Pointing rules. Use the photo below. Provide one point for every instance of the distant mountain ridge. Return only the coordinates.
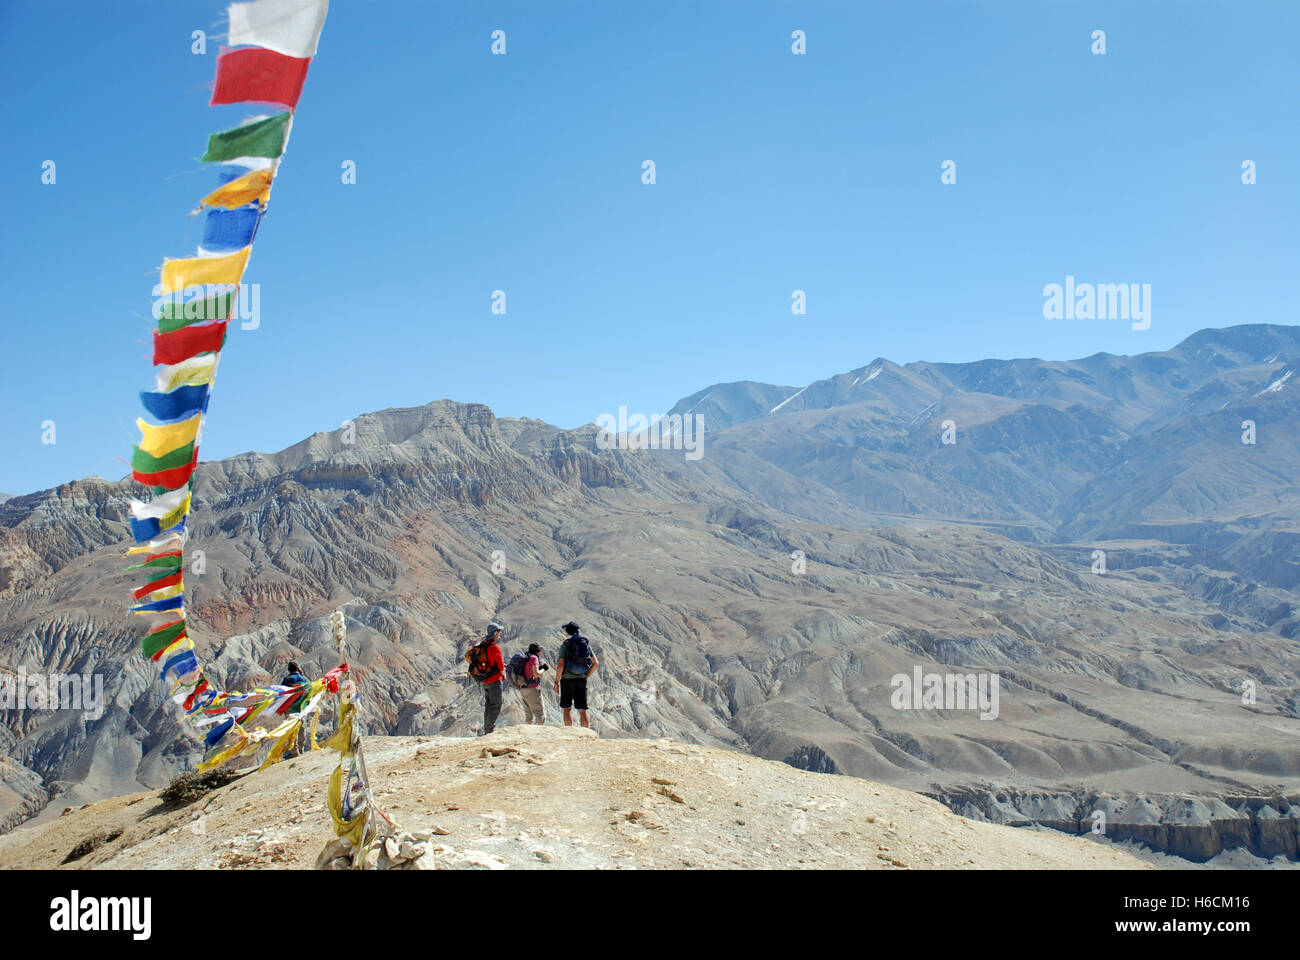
(1145, 383)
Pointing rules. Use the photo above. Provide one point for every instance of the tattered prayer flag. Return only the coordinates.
(195, 271)
(171, 603)
(182, 344)
(172, 649)
(148, 463)
(159, 507)
(179, 404)
(259, 76)
(160, 440)
(202, 685)
(161, 561)
(230, 229)
(291, 27)
(252, 187)
(260, 138)
(162, 637)
(166, 480)
(217, 732)
(181, 663)
(176, 312)
(161, 574)
(179, 514)
(194, 372)
(151, 529)
(154, 587)
(172, 538)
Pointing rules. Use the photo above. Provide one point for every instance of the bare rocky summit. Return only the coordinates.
(554, 798)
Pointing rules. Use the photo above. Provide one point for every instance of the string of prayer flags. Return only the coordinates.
(195, 301)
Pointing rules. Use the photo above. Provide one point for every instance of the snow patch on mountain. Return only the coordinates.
(1277, 385)
(784, 402)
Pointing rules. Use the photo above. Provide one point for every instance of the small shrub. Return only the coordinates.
(91, 844)
(190, 786)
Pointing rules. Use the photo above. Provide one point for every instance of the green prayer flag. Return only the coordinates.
(172, 316)
(171, 564)
(160, 639)
(263, 138)
(148, 463)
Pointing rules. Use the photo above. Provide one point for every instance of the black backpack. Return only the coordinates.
(577, 656)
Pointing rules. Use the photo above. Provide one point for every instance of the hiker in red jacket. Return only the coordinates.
(488, 667)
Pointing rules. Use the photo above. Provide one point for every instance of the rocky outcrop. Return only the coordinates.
(1194, 828)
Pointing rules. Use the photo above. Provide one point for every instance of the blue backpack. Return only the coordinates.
(577, 659)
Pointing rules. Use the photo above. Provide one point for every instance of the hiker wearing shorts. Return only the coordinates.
(577, 662)
(525, 673)
(487, 666)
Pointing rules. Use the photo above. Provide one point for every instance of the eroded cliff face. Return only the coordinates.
(1194, 828)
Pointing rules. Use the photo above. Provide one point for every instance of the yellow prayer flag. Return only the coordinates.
(254, 186)
(176, 646)
(166, 593)
(242, 742)
(196, 271)
(175, 517)
(160, 440)
(282, 744)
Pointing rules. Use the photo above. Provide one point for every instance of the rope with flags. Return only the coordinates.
(271, 46)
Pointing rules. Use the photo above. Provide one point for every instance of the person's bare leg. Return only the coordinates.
(568, 717)
(582, 716)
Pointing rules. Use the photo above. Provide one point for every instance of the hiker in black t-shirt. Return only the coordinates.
(577, 662)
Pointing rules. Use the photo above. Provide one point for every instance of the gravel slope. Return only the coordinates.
(558, 797)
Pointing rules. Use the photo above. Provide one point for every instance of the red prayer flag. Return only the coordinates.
(188, 705)
(171, 581)
(172, 479)
(259, 76)
(187, 342)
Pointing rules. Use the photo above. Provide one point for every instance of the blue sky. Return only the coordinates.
(522, 173)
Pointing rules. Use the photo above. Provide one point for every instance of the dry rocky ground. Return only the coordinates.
(554, 797)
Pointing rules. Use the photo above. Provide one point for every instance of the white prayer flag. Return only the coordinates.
(291, 27)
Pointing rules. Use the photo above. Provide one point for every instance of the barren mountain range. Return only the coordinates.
(765, 596)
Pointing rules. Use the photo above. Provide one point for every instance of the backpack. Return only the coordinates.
(480, 667)
(577, 658)
(516, 670)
